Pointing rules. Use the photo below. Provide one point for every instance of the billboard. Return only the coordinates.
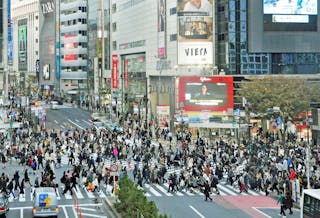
(162, 19)
(195, 32)
(290, 7)
(46, 72)
(206, 93)
(289, 15)
(10, 45)
(22, 44)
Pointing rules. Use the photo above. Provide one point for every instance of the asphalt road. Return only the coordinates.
(182, 204)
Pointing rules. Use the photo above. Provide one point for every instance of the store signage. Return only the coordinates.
(115, 76)
(47, 7)
(126, 74)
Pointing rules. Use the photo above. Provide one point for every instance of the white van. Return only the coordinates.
(45, 202)
(54, 105)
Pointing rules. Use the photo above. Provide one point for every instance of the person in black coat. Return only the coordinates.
(207, 191)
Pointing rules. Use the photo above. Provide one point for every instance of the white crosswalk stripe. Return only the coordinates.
(156, 190)
(79, 193)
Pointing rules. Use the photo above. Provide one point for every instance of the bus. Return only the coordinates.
(310, 203)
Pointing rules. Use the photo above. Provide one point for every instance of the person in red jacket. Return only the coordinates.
(292, 174)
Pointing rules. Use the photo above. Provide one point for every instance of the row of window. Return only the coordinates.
(77, 68)
(74, 57)
(74, 22)
(75, 45)
(75, 33)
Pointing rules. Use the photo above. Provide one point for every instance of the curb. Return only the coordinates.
(112, 211)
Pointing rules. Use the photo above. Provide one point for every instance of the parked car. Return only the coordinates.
(3, 205)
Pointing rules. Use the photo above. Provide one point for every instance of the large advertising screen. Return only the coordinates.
(195, 32)
(290, 15)
(290, 7)
(10, 45)
(212, 93)
(22, 44)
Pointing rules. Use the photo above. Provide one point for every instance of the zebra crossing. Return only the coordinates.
(78, 192)
(156, 190)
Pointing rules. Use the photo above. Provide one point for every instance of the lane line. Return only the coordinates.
(65, 211)
(262, 212)
(197, 212)
(21, 213)
(77, 192)
(92, 215)
(75, 124)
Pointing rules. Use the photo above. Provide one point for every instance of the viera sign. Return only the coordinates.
(47, 7)
(195, 53)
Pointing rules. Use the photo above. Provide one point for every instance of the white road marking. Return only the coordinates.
(196, 211)
(78, 192)
(262, 212)
(62, 126)
(147, 194)
(226, 190)
(77, 120)
(152, 190)
(56, 121)
(177, 192)
(90, 194)
(92, 215)
(90, 123)
(75, 124)
(163, 190)
(64, 211)
(88, 209)
(21, 213)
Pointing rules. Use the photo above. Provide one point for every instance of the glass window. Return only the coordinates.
(173, 11)
(173, 37)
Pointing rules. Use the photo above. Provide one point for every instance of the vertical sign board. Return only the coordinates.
(115, 79)
(162, 28)
(22, 44)
(126, 74)
(195, 33)
(10, 45)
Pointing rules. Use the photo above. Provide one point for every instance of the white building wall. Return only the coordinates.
(139, 22)
(26, 9)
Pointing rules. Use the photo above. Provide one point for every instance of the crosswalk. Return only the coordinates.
(156, 190)
(78, 192)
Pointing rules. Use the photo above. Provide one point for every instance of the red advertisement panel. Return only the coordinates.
(115, 76)
(210, 93)
(126, 75)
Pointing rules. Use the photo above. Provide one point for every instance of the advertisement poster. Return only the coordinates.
(10, 45)
(115, 76)
(195, 32)
(22, 39)
(162, 28)
(290, 7)
(46, 72)
(163, 112)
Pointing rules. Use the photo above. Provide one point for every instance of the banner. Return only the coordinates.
(115, 76)
(162, 28)
(195, 32)
(126, 74)
(22, 44)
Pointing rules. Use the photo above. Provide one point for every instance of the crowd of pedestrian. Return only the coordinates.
(185, 163)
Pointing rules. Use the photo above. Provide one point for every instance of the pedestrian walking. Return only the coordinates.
(282, 205)
(207, 191)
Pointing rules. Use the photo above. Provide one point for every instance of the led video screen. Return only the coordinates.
(290, 15)
(206, 93)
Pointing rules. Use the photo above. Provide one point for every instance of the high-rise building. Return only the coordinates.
(73, 48)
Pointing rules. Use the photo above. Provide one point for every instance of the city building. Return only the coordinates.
(4, 47)
(73, 49)
(25, 44)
